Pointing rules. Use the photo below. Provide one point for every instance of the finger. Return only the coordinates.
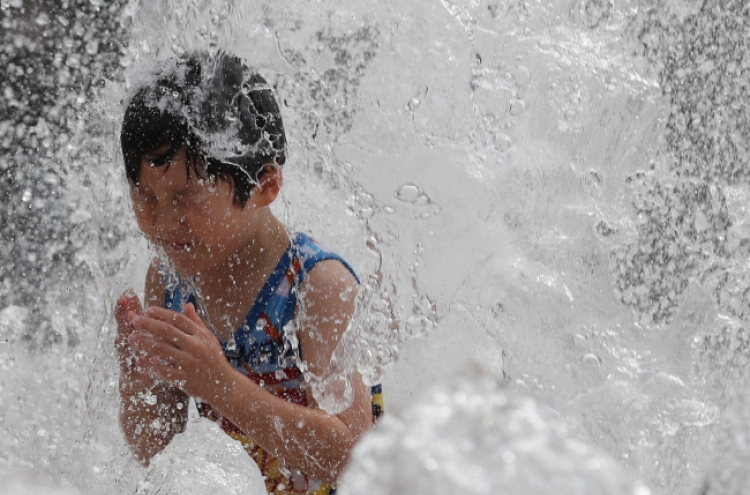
(127, 302)
(193, 316)
(158, 330)
(161, 351)
(178, 320)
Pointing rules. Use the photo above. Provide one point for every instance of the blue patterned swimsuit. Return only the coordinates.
(260, 350)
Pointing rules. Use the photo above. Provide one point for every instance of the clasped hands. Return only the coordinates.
(172, 347)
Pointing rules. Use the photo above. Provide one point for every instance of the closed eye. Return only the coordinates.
(189, 199)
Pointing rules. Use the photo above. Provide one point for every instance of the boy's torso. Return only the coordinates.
(262, 349)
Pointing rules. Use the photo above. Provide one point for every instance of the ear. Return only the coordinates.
(268, 186)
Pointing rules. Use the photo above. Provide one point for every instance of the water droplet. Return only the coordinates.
(409, 193)
(522, 76)
(92, 47)
(517, 107)
(417, 325)
(231, 343)
(366, 212)
(591, 359)
(546, 44)
(594, 178)
(604, 229)
(502, 142)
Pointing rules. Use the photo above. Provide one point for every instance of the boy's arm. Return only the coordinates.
(151, 412)
(308, 439)
(313, 441)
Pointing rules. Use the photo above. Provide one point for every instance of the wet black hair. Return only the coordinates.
(223, 113)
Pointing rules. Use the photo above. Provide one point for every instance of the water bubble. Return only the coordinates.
(502, 142)
(413, 104)
(92, 47)
(417, 325)
(517, 107)
(546, 44)
(522, 76)
(591, 359)
(603, 229)
(592, 181)
(416, 100)
(409, 193)
(73, 61)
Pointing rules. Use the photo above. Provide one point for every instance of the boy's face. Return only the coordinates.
(193, 220)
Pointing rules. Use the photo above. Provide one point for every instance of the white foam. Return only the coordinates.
(203, 460)
(474, 434)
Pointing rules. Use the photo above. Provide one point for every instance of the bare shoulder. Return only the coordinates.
(329, 291)
(330, 277)
(155, 292)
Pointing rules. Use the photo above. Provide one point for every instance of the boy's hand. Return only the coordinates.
(178, 348)
(128, 306)
(128, 303)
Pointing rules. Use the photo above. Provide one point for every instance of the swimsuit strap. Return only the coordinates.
(277, 301)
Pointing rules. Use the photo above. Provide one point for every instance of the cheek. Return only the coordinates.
(144, 223)
(140, 215)
(208, 213)
(145, 216)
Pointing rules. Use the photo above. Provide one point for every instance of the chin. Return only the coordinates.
(186, 267)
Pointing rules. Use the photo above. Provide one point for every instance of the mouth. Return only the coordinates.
(177, 247)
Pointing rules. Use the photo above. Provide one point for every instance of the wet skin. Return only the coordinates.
(173, 355)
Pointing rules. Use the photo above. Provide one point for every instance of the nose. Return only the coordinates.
(161, 218)
(168, 218)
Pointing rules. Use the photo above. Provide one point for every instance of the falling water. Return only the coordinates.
(555, 192)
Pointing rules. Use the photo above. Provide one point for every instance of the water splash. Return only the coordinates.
(474, 435)
(552, 188)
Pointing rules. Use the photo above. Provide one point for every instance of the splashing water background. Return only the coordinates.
(557, 190)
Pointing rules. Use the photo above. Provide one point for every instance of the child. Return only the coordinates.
(203, 146)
